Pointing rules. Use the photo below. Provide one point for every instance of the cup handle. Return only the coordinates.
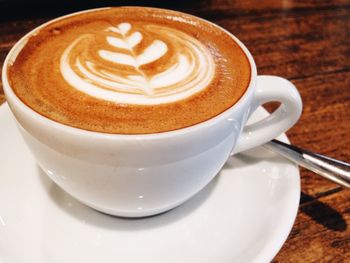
(271, 88)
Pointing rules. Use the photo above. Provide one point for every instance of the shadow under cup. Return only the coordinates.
(136, 175)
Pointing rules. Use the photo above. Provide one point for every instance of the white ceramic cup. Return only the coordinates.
(142, 175)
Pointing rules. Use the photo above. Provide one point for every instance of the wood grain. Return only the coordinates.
(11, 31)
(307, 42)
(296, 47)
(325, 123)
(320, 233)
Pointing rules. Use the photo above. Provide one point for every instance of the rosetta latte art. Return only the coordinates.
(145, 64)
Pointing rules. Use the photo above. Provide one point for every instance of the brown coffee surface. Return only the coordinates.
(130, 70)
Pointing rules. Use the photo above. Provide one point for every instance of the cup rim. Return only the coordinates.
(10, 94)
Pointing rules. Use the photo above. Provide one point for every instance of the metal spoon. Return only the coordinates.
(329, 168)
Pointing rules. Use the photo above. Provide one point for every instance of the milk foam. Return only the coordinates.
(182, 66)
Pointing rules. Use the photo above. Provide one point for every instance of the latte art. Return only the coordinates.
(130, 70)
(138, 64)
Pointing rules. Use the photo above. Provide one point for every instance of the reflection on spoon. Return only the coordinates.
(329, 168)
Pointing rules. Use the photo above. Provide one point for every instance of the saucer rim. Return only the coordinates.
(275, 242)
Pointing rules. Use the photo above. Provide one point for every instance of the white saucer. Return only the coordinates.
(244, 215)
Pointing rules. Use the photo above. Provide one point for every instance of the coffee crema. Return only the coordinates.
(130, 70)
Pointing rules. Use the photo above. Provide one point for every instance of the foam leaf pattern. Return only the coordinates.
(147, 65)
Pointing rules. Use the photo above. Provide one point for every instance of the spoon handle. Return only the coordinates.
(329, 168)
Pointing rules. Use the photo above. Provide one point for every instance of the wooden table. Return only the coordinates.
(307, 42)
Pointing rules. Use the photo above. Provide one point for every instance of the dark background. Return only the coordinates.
(26, 9)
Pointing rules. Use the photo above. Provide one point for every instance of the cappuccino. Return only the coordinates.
(130, 70)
